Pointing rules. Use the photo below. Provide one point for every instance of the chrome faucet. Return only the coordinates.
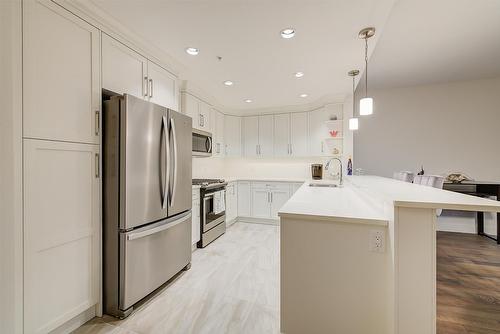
(327, 167)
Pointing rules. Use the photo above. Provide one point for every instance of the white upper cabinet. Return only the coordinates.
(198, 110)
(217, 120)
(299, 136)
(162, 87)
(251, 136)
(124, 71)
(61, 75)
(282, 135)
(204, 120)
(258, 136)
(190, 106)
(232, 136)
(266, 127)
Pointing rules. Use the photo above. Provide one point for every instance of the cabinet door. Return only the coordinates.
(298, 134)
(232, 136)
(244, 199)
(231, 202)
(217, 133)
(61, 232)
(317, 132)
(278, 198)
(162, 87)
(195, 232)
(261, 199)
(266, 126)
(61, 75)
(251, 136)
(123, 70)
(190, 106)
(282, 135)
(204, 117)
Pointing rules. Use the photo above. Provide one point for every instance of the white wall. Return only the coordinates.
(447, 127)
(11, 260)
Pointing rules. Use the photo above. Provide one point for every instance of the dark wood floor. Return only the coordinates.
(468, 284)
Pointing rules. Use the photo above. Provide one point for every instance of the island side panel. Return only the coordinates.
(330, 280)
(415, 270)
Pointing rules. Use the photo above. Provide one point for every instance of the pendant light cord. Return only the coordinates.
(353, 99)
(366, 67)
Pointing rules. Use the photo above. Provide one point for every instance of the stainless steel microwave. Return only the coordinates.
(202, 143)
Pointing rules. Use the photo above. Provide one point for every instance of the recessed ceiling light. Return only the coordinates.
(299, 74)
(303, 95)
(248, 101)
(192, 51)
(228, 83)
(287, 33)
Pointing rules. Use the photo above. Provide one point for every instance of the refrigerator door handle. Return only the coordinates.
(158, 228)
(174, 144)
(166, 160)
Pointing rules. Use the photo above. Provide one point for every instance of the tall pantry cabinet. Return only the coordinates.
(61, 136)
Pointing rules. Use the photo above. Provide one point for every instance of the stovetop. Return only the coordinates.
(207, 182)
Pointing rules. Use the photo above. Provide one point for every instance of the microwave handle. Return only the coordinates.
(208, 144)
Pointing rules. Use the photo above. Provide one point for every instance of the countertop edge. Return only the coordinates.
(338, 219)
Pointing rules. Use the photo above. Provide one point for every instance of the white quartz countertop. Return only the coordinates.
(363, 198)
(263, 179)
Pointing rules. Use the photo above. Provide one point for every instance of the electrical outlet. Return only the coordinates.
(377, 241)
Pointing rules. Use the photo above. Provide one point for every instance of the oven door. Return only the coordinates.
(202, 143)
(214, 212)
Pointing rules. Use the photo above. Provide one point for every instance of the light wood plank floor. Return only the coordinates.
(233, 287)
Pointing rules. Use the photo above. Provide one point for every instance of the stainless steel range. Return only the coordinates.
(212, 209)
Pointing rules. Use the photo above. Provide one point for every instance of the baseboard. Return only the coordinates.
(76, 322)
(253, 220)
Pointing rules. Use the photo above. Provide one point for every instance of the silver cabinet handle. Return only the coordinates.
(146, 87)
(97, 165)
(225, 149)
(271, 197)
(158, 228)
(322, 147)
(174, 144)
(97, 123)
(151, 88)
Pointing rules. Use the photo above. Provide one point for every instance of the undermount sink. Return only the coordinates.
(324, 185)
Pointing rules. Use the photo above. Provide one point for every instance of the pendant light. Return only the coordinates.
(353, 121)
(366, 103)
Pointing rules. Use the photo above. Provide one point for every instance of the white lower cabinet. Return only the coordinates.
(195, 227)
(278, 198)
(244, 199)
(260, 203)
(231, 202)
(268, 198)
(61, 232)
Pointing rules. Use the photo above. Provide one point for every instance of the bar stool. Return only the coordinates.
(404, 176)
(435, 181)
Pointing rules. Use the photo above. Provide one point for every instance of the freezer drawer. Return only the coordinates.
(150, 256)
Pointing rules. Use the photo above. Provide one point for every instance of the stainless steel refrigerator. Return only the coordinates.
(147, 199)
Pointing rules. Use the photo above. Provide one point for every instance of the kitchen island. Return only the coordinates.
(361, 258)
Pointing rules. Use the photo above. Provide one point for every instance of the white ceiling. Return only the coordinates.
(437, 41)
(246, 35)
